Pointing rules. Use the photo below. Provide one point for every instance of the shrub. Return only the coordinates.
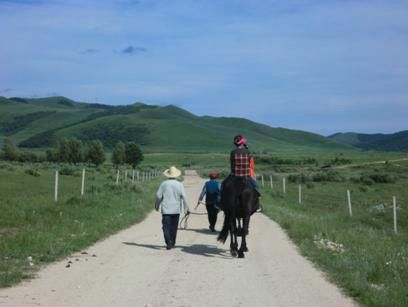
(299, 178)
(328, 176)
(309, 185)
(26, 156)
(32, 172)
(67, 171)
(310, 161)
(275, 160)
(340, 161)
(370, 179)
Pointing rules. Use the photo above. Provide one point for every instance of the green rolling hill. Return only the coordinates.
(38, 123)
(381, 142)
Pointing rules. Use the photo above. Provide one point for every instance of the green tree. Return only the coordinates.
(133, 154)
(119, 154)
(75, 151)
(9, 150)
(95, 153)
(69, 150)
(51, 155)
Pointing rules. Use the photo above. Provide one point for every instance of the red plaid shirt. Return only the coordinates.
(240, 162)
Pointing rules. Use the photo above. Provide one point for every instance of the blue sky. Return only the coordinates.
(324, 66)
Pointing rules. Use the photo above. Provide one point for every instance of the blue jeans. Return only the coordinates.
(254, 184)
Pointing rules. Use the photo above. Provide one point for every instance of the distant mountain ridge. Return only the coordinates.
(382, 142)
(39, 123)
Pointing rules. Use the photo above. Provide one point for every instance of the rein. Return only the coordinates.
(184, 222)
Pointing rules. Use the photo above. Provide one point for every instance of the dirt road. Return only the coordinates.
(132, 268)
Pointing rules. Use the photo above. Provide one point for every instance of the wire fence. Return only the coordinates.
(345, 198)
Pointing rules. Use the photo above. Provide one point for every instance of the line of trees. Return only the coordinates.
(71, 150)
(128, 153)
(74, 151)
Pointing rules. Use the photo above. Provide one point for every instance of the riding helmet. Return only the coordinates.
(239, 139)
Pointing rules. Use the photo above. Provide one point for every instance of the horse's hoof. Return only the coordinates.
(241, 255)
(246, 249)
(233, 253)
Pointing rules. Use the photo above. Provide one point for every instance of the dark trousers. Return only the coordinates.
(212, 214)
(170, 225)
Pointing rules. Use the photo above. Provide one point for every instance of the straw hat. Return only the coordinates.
(172, 172)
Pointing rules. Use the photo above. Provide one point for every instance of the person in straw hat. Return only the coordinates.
(170, 198)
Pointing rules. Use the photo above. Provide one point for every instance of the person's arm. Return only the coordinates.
(159, 198)
(252, 166)
(219, 193)
(202, 194)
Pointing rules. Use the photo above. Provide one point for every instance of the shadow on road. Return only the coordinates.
(202, 231)
(195, 249)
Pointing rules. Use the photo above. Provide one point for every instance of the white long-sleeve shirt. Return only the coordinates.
(171, 197)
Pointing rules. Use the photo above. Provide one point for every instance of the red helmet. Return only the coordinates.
(239, 139)
(213, 175)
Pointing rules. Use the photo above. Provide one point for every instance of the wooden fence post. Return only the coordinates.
(271, 179)
(83, 183)
(394, 207)
(117, 177)
(349, 202)
(56, 186)
(284, 184)
(300, 194)
(263, 184)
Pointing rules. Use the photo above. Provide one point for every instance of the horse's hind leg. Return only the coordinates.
(245, 230)
(233, 244)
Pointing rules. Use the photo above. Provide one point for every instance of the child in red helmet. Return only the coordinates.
(211, 191)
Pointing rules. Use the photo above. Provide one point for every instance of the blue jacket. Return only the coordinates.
(211, 191)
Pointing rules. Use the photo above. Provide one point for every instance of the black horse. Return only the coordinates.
(239, 200)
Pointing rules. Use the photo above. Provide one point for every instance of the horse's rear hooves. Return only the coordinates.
(234, 253)
(241, 255)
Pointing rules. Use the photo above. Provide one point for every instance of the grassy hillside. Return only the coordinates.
(23, 118)
(37, 123)
(384, 142)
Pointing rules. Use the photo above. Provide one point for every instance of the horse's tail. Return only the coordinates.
(223, 235)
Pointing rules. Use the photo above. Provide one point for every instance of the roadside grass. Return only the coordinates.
(33, 225)
(360, 253)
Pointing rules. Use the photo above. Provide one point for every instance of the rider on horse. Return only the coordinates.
(239, 198)
(242, 164)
